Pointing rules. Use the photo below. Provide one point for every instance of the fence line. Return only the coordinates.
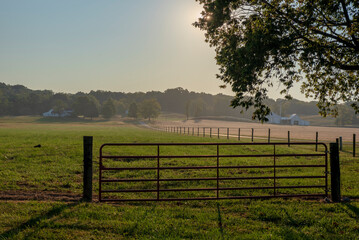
(240, 133)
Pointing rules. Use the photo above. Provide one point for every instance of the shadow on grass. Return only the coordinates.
(55, 211)
(354, 210)
(220, 224)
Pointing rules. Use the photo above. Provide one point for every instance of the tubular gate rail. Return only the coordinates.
(273, 190)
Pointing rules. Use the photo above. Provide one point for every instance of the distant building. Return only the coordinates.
(294, 119)
(51, 113)
(273, 118)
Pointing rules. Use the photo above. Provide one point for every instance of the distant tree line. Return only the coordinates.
(18, 100)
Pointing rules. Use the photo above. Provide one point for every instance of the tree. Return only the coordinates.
(260, 43)
(59, 106)
(120, 107)
(87, 106)
(108, 109)
(150, 108)
(133, 110)
(345, 115)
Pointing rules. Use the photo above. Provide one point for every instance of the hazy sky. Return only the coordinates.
(122, 45)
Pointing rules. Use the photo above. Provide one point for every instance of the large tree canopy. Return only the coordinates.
(264, 43)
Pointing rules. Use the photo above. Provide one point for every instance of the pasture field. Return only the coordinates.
(40, 193)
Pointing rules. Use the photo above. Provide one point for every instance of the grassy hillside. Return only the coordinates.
(51, 178)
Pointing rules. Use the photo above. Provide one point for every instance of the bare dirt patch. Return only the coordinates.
(20, 195)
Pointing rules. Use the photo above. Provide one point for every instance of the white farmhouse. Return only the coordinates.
(51, 113)
(273, 118)
(294, 119)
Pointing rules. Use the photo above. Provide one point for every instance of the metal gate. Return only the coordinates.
(210, 171)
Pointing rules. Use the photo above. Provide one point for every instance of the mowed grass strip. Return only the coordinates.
(56, 167)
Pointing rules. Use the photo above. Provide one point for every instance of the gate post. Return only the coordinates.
(335, 172)
(87, 178)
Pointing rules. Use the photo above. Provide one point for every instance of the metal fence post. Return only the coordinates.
(227, 133)
(288, 138)
(204, 132)
(340, 143)
(354, 141)
(87, 178)
(239, 134)
(252, 134)
(335, 172)
(268, 135)
(210, 132)
(316, 141)
(218, 133)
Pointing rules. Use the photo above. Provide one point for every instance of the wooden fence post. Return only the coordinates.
(87, 178)
(268, 135)
(335, 172)
(354, 141)
(252, 134)
(316, 141)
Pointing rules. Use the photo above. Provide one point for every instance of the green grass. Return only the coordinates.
(56, 167)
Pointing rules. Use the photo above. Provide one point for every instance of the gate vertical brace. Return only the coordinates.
(158, 172)
(217, 171)
(274, 172)
(335, 172)
(87, 178)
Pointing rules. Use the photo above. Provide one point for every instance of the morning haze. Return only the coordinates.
(128, 46)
